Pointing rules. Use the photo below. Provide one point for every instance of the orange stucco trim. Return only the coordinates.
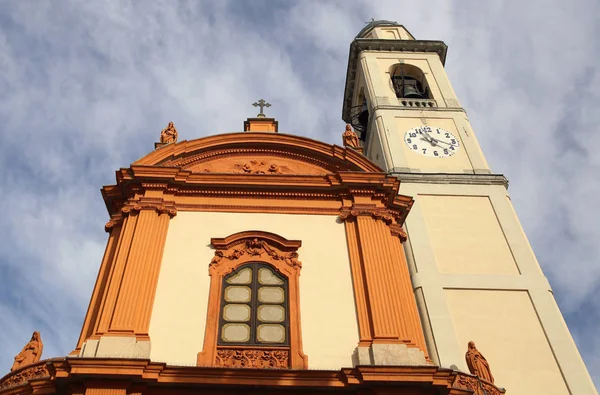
(78, 376)
(239, 249)
(378, 266)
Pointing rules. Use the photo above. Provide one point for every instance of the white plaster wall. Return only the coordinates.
(328, 313)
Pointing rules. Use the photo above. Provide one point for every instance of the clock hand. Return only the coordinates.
(441, 141)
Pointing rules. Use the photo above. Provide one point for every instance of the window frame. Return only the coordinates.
(231, 253)
(254, 304)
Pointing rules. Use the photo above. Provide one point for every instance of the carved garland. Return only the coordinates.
(22, 376)
(248, 358)
(475, 384)
(256, 248)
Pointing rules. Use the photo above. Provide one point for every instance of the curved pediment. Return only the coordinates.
(258, 153)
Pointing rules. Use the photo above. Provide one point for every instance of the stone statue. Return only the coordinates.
(477, 364)
(31, 353)
(350, 138)
(168, 134)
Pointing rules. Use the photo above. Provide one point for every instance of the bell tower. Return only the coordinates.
(474, 274)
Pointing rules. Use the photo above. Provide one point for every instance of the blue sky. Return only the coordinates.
(86, 87)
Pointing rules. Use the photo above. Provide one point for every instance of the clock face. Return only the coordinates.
(432, 142)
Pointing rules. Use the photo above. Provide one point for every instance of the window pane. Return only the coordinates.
(271, 313)
(268, 333)
(267, 277)
(270, 295)
(236, 333)
(244, 276)
(236, 312)
(237, 294)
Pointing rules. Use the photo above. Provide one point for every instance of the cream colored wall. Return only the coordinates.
(328, 314)
(391, 33)
(466, 236)
(506, 330)
(505, 304)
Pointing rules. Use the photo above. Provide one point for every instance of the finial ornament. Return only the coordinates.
(262, 104)
(31, 353)
(169, 134)
(350, 138)
(477, 363)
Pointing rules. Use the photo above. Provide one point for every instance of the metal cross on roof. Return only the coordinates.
(262, 104)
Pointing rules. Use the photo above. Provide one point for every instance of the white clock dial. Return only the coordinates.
(432, 142)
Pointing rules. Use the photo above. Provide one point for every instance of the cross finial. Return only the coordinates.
(262, 104)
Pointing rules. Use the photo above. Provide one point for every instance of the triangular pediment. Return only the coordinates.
(258, 153)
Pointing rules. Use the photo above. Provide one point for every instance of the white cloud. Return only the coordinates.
(87, 87)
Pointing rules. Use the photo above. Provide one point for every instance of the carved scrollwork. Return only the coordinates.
(397, 231)
(384, 214)
(159, 207)
(475, 384)
(256, 247)
(252, 358)
(24, 375)
(112, 223)
(389, 217)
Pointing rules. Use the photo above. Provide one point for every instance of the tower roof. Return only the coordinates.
(371, 25)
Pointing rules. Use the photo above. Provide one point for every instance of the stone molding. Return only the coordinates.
(107, 376)
(451, 178)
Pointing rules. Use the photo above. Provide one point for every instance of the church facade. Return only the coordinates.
(265, 262)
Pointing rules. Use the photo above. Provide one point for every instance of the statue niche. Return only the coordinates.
(31, 353)
(477, 364)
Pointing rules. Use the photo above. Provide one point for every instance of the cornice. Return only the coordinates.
(369, 44)
(183, 153)
(67, 372)
(177, 183)
(451, 178)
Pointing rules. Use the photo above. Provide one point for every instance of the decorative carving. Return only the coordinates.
(169, 134)
(350, 138)
(256, 247)
(31, 353)
(397, 231)
(477, 363)
(158, 206)
(257, 167)
(24, 375)
(475, 384)
(112, 223)
(252, 358)
(384, 214)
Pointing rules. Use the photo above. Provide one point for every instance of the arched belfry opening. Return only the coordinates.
(409, 82)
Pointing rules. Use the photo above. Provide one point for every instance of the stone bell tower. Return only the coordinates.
(474, 274)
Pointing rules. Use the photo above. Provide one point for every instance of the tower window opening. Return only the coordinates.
(409, 82)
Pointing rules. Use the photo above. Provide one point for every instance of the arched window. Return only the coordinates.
(253, 318)
(409, 82)
(254, 307)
